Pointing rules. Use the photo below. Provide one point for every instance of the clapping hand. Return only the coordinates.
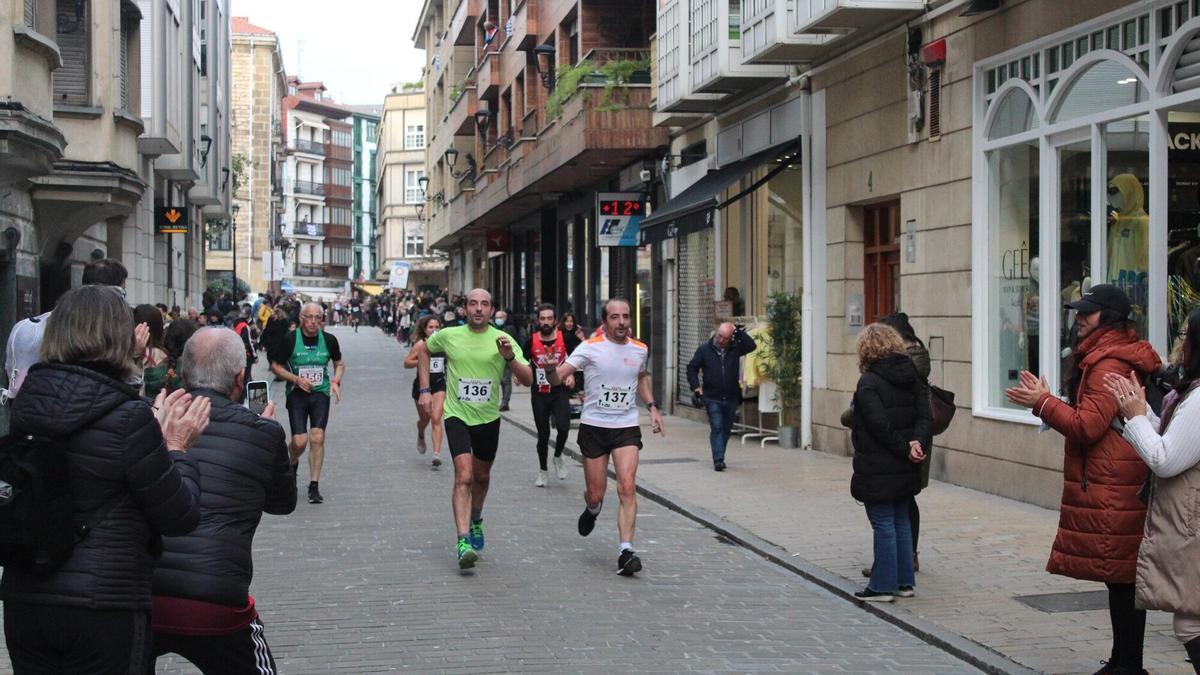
(184, 422)
(1031, 390)
(141, 338)
(1129, 392)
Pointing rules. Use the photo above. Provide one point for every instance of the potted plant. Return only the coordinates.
(783, 366)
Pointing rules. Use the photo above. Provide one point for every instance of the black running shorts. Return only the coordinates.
(481, 440)
(596, 442)
(307, 410)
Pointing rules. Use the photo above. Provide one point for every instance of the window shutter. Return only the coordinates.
(125, 25)
(71, 80)
(31, 14)
(935, 103)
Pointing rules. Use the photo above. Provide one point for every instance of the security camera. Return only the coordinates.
(646, 175)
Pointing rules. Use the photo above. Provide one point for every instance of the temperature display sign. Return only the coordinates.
(618, 218)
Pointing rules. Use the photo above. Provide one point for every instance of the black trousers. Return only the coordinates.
(554, 404)
(245, 651)
(1128, 626)
(44, 639)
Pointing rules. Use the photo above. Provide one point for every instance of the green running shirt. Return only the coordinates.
(473, 371)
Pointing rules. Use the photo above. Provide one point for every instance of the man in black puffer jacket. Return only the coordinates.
(202, 605)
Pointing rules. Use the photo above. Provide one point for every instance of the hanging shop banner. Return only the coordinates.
(171, 220)
(398, 278)
(619, 218)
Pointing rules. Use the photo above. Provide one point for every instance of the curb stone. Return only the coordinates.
(980, 656)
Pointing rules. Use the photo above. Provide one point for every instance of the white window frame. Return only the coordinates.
(413, 238)
(412, 188)
(414, 137)
(1163, 56)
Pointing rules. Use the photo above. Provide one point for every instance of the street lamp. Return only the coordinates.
(452, 156)
(233, 244)
(483, 120)
(543, 61)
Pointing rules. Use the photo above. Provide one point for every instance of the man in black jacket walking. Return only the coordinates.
(721, 391)
(203, 610)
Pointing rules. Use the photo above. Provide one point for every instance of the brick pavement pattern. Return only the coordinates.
(367, 581)
(978, 551)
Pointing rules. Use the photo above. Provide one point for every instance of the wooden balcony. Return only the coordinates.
(338, 192)
(590, 141)
(336, 233)
(487, 75)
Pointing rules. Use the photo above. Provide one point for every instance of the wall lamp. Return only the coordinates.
(452, 157)
(207, 141)
(483, 120)
(543, 62)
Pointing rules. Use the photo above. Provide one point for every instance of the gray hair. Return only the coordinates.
(212, 359)
(90, 324)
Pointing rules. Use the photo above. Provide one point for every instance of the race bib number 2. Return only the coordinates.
(542, 380)
(474, 391)
(615, 398)
(314, 374)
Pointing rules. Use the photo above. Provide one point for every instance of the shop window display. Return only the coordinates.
(1183, 220)
(1127, 252)
(1074, 238)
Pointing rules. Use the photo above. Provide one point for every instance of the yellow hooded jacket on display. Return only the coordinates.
(1128, 237)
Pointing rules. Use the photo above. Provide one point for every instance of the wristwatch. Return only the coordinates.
(652, 404)
(510, 359)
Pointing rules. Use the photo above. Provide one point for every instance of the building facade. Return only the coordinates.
(249, 241)
(366, 217)
(318, 191)
(401, 192)
(108, 106)
(535, 109)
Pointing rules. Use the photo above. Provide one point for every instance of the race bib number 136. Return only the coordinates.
(474, 391)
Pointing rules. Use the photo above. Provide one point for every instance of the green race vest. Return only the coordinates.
(310, 363)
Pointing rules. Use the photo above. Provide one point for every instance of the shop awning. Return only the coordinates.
(369, 289)
(692, 210)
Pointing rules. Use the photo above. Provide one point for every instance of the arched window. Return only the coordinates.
(1106, 85)
(1015, 113)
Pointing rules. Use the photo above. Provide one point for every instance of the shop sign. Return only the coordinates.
(619, 218)
(171, 220)
(1183, 140)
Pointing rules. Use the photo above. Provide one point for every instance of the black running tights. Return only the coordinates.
(557, 405)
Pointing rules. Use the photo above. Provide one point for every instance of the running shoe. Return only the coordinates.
(560, 468)
(437, 461)
(421, 444)
(905, 592)
(477, 534)
(587, 522)
(628, 564)
(467, 557)
(541, 479)
(314, 495)
(874, 596)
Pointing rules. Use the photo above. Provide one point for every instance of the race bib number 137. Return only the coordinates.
(615, 398)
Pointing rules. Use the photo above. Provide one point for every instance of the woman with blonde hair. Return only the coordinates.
(891, 432)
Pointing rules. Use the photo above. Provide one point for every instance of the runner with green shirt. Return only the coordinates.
(302, 360)
(475, 358)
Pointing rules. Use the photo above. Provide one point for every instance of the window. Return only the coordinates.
(342, 257)
(218, 233)
(881, 266)
(414, 243)
(412, 186)
(342, 176)
(414, 137)
(129, 28)
(72, 79)
(339, 215)
(31, 14)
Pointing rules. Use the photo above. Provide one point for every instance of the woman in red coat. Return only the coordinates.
(1101, 520)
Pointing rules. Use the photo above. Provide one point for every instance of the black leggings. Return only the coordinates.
(1193, 651)
(544, 405)
(1128, 627)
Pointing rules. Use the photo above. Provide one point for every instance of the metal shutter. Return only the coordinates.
(124, 47)
(696, 312)
(71, 79)
(31, 14)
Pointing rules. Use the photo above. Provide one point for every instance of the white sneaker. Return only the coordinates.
(561, 468)
(541, 479)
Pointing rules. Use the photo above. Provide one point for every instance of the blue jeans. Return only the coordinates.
(893, 546)
(721, 415)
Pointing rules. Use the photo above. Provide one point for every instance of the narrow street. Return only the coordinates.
(367, 581)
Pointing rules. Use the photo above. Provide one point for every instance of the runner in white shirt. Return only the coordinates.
(614, 368)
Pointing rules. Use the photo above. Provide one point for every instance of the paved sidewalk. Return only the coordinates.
(978, 551)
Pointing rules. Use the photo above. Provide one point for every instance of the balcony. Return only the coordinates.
(310, 147)
(768, 34)
(339, 192)
(522, 26)
(334, 233)
(587, 142)
(844, 16)
(716, 51)
(674, 66)
(460, 121)
(305, 187)
(314, 230)
(487, 75)
(462, 24)
(308, 270)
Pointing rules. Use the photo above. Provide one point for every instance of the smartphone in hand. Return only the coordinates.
(257, 396)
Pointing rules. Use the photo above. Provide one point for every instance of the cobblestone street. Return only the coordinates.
(367, 581)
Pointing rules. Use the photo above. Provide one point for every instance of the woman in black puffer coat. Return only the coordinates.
(891, 432)
(91, 614)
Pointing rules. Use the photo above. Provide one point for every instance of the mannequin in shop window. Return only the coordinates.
(1128, 241)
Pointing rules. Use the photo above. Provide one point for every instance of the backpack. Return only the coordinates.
(1158, 384)
(37, 527)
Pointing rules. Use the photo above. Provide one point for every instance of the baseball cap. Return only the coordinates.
(1101, 297)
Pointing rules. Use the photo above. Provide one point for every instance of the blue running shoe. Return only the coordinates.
(477, 534)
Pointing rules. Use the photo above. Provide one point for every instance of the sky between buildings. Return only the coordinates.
(358, 48)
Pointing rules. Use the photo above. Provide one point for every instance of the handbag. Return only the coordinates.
(941, 404)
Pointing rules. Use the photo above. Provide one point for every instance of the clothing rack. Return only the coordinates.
(767, 404)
